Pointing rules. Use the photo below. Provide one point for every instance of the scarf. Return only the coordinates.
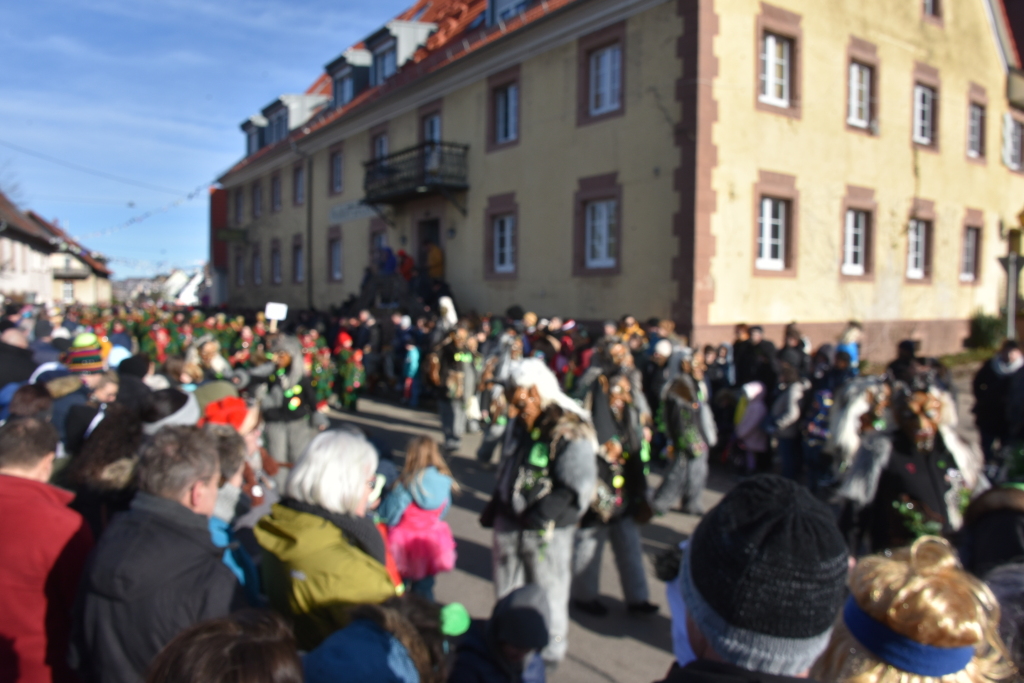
(359, 531)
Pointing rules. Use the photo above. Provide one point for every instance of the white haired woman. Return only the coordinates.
(546, 481)
(323, 555)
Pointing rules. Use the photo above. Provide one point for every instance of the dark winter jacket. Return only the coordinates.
(477, 662)
(154, 573)
(16, 364)
(704, 671)
(993, 532)
(992, 386)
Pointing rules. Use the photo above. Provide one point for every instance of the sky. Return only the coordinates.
(151, 93)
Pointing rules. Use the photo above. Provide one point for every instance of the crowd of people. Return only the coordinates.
(180, 509)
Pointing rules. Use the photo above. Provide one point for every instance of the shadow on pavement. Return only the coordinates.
(655, 630)
(473, 558)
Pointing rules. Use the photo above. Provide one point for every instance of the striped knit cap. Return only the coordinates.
(85, 354)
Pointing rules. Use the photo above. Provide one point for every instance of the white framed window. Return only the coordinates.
(239, 206)
(334, 258)
(859, 113)
(969, 262)
(924, 115)
(917, 249)
(855, 239)
(344, 90)
(275, 193)
(601, 235)
(605, 79)
(239, 269)
(771, 234)
(336, 170)
(257, 268)
(298, 263)
(299, 184)
(275, 265)
(506, 113)
(776, 53)
(1013, 143)
(432, 128)
(504, 244)
(67, 292)
(976, 131)
(385, 63)
(380, 146)
(257, 200)
(252, 140)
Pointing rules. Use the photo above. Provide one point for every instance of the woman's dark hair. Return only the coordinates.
(32, 400)
(247, 647)
(116, 439)
(163, 403)
(426, 645)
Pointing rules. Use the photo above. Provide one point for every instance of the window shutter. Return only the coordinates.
(1008, 141)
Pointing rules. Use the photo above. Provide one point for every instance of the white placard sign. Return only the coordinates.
(276, 311)
(349, 211)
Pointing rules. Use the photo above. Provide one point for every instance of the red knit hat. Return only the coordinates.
(231, 411)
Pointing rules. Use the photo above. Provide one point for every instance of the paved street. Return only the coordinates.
(618, 647)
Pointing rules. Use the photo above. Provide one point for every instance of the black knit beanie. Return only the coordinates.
(764, 576)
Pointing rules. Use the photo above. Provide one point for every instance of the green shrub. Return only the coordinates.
(986, 331)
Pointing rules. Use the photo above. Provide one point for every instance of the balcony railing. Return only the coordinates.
(428, 168)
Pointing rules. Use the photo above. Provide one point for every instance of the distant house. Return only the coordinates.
(79, 275)
(25, 251)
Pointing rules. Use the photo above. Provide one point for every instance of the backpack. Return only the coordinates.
(422, 543)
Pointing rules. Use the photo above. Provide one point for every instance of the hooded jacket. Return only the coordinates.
(430, 490)
(16, 364)
(315, 572)
(43, 548)
(154, 573)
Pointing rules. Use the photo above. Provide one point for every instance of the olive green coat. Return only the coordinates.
(311, 571)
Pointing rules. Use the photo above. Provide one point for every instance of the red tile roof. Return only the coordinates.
(452, 41)
(82, 253)
(17, 221)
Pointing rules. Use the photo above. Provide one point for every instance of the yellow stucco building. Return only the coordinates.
(710, 161)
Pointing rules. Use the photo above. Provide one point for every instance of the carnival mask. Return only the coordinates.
(918, 418)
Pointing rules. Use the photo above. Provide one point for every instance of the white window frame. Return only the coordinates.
(773, 216)
(859, 109)
(601, 234)
(1013, 142)
(917, 249)
(855, 242)
(606, 79)
(506, 113)
(931, 8)
(67, 292)
(276, 276)
(257, 268)
(976, 130)
(385, 62)
(380, 146)
(776, 70)
(275, 193)
(504, 228)
(969, 259)
(924, 114)
(337, 170)
(344, 90)
(336, 260)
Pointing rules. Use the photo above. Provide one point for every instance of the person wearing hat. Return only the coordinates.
(43, 350)
(84, 360)
(503, 649)
(762, 580)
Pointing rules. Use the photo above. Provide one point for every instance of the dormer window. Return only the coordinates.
(506, 9)
(344, 90)
(385, 63)
(252, 139)
(278, 128)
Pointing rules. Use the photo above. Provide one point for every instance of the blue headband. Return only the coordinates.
(900, 651)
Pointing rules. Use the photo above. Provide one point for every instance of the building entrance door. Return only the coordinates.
(429, 238)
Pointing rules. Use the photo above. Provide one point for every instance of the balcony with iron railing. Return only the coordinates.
(427, 168)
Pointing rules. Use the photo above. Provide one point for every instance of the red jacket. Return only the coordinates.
(43, 548)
